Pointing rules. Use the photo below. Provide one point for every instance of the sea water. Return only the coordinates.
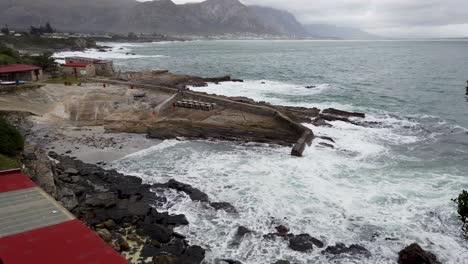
(382, 187)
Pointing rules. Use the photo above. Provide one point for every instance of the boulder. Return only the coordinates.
(304, 242)
(336, 112)
(105, 199)
(242, 231)
(68, 199)
(71, 171)
(40, 169)
(230, 261)
(224, 206)
(105, 235)
(164, 260)
(158, 232)
(414, 254)
(321, 122)
(341, 248)
(284, 230)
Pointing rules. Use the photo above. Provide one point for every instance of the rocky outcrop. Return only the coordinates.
(341, 248)
(196, 195)
(39, 168)
(119, 208)
(251, 132)
(414, 254)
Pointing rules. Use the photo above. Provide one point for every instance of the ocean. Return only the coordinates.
(382, 187)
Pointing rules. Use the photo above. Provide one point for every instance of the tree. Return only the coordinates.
(5, 30)
(132, 35)
(35, 31)
(48, 28)
(45, 61)
(11, 141)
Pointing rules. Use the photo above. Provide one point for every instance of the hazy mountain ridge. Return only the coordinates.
(208, 18)
(331, 31)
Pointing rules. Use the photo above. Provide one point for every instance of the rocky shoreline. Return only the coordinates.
(122, 209)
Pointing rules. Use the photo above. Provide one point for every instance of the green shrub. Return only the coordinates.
(11, 141)
(7, 163)
(462, 202)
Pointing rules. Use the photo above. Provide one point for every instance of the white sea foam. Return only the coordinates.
(117, 51)
(356, 193)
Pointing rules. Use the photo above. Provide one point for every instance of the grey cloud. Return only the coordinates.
(433, 18)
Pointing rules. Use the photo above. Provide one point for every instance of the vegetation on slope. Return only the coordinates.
(11, 144)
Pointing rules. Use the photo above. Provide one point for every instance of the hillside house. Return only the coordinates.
(78, 69)
(20, 72)
(101, 67)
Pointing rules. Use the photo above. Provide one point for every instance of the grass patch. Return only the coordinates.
(61, 80)
(7, 163)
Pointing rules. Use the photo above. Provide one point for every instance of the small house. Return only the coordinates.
(20, 72)
(102, 67)
(78, 69)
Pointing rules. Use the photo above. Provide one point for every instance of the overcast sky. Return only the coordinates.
(392, 18)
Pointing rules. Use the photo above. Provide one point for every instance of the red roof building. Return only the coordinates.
(76, 64)
(37, 229)
(20, 72)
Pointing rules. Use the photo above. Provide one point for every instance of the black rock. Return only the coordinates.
(242, 231)
(282, 229)
(304, 242)
(194, 193)
(224, 206)
(336, 112)
(414, 254)
(230, 261)
(105, 199)
(282, 262)
(326, 145)
(341, 248)
(327, 138)
(192, 255)
(158, 232)
(321, 122)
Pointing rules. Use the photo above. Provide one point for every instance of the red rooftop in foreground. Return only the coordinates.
(21, 72)
(34, 228)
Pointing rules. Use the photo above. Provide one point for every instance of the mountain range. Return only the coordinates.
(208, 18)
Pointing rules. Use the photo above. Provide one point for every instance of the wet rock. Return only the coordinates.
(40, 169)
(164, 260)
(282, 262)
(158, 232)
(229, 261)
(310, 86)
(224, 206)
(321, 122)
(123, 246)
(194, 193)
(68, 199)
(414, 254)
(106, 199)
(284, 230)
(237, 80)
(336, 112)
(71, 171)
(242, 231)
(109, 224)
(105, 235)
(327, 138)
(341, 248)
(192, 255)
(326, 145)
(304, 242)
